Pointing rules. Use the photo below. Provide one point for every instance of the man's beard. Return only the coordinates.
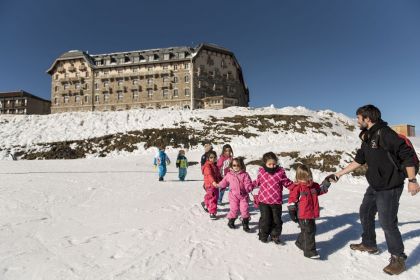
(363, 126)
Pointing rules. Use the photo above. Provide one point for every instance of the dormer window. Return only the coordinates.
(181, 55)
(151, 57)
(166, 56)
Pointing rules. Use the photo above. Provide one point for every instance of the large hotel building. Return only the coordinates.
(206, 76)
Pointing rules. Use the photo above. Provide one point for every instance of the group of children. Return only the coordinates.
(161, 160)
(230, 172)
(303, 204)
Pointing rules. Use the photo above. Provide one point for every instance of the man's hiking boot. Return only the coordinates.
(396, 265)
(231, 223)
(363, 248)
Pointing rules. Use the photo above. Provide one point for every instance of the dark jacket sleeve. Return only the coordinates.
(398, 147)
(360, 156)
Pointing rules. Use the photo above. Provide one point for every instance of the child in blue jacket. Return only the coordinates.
(161, 160)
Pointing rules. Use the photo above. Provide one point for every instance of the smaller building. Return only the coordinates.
(23, 103)
(405, 129)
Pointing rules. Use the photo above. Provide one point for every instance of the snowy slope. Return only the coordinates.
(110, 219)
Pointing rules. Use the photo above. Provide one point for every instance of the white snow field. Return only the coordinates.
(109, 218)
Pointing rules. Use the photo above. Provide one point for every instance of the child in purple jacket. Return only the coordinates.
(271, 180)
(240, 185)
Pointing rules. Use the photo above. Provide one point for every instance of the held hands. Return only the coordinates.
(215, 184)
(293, 212)
(325, 185)
(332, 178)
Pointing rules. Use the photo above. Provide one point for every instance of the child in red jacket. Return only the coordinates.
(304, 208)
(211, 179)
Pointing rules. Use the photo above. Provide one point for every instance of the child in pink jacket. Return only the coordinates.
(223, 164)
(240, 184)
(271, 180)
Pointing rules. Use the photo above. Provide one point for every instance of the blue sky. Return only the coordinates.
(321, 54)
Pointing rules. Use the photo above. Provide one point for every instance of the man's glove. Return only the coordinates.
(293, 212)
(331, 178)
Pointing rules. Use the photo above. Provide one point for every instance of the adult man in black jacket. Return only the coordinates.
(386, 182)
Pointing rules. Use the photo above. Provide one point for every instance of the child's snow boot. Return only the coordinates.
(231, 223)
(245, 224)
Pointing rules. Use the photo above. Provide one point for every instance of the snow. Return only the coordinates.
(109, 218)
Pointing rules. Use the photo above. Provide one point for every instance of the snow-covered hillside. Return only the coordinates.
(109, 218)
(295, 132)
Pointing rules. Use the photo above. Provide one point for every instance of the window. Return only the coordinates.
(165, 67)
(97, 98)
(150, 68)
(106, 84)
(120, 71)
(175, 66)
(77, 98)
(76, 74)
(106, 97)
(222, 64)
(214, 87)
(150, 93)
(175, 79)
(199, 84)
(181, 55)
(77, 85)
(176, 92)
(86, 99)
(149, 81)
(135, 94)
(56, 77)
(165, 79)
(120, 95)
(165, 93)
(136, 59)
(121, 60)
(166, 56)
(186, 66)
(135, 82)
(66, 99)
(56, 88)
(187, 92)
(96, 74)
(151, 57)
(56, 101)
(187, 79)
(65, 86)
(120, 83)
(96, 86)
(135, 69)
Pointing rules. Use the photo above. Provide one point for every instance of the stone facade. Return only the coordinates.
(206, 76)
(23, 103)
(405, 129)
